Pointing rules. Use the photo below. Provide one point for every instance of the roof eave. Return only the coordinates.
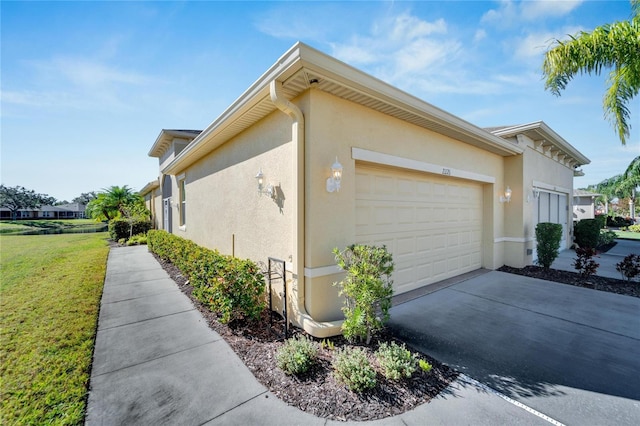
(302, 57)
(547, 133)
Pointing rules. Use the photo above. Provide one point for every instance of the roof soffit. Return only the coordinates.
(546, 141)
(301, 64)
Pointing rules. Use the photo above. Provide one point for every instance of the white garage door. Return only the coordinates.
(431, 224)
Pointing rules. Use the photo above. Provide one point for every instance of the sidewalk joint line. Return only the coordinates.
(239, 405)
(142, 296)
(145, 320)
(155, 359)
(510, 400)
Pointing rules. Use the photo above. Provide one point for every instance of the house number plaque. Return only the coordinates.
(446, 172)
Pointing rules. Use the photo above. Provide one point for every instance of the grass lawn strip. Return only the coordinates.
(50, 291)
(628, 235)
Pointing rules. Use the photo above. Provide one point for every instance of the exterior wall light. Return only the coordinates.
(507, 196)
(268, 190)
(333, 182)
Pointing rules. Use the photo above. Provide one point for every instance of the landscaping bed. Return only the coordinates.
(611, 285)
(317, 391)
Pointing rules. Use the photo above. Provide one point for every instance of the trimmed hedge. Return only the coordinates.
(548, 236)
(120, 228)
(619, 221)
(587, 233)
(233, 288)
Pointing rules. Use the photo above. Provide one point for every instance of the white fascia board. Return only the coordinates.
(549, 134)
(350, 77)
(256, 92)
(421, 166)
(301, 56)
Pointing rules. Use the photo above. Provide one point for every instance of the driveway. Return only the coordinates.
(570, 353)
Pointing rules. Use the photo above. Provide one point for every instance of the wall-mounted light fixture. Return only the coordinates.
(507, 196)
(333, 182)
(536, 193)
(268, 190)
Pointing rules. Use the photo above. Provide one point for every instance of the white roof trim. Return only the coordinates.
(294, 68)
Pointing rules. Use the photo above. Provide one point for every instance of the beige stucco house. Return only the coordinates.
(445, 197)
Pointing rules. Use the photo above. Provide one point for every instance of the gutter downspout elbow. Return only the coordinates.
(302, 317)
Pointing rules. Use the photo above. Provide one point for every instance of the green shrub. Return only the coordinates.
(139, 239)
(352, 368)
(297, 355)
(587, 233)
(396, 361)
(548, 237)
(122, 228)
(634, 228)
(425, 365)
(602, 220)
(233, 288)
(619, 221)
(606, 237)
(367, 288)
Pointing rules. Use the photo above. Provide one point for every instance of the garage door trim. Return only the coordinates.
(415, 165)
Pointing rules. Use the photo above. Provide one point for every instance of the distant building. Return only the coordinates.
(63, 211)
(584, 204)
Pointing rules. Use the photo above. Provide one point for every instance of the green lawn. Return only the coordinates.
(628, 235)
(50, 289)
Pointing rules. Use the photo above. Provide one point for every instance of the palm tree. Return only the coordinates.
(611, 46)
(113, 202)
(629, 183)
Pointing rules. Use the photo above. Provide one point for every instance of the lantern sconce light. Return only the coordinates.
(333, 182)
(536, 193)
(506, 198)
(262, 189)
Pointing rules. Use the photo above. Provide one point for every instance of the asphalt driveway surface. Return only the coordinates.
(570, 353)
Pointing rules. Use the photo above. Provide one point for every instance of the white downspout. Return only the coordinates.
(302, 318)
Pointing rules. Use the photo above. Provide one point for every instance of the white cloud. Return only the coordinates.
(533, 45)
(87, 73)
(403, 49)
(480, 35)
(510, 13)
(76, 83)
(531, 10)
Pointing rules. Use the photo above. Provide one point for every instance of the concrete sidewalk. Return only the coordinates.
(607, 261)
(156, 361)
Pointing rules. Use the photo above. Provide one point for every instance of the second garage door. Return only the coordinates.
(431, 224)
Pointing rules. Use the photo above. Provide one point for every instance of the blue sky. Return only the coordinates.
(86, 87)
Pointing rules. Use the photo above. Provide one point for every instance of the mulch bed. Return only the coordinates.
(317, 392)
(611, 285)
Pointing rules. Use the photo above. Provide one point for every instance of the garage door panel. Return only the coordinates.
(431, 225)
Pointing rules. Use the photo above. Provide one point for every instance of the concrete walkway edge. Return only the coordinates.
(156, 361)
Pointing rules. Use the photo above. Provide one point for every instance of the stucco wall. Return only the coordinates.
(224, 209)
(521, 173)
(334, 126)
